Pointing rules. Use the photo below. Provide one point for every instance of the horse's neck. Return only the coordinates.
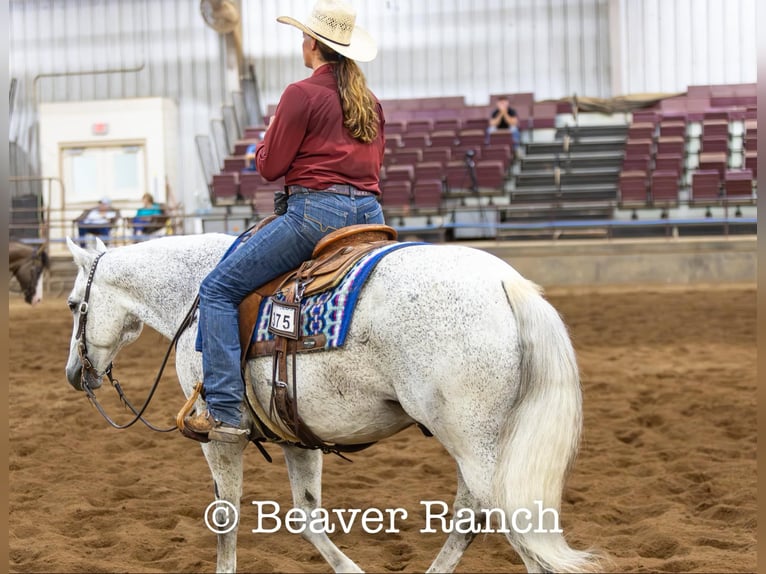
(162, 282)
(18, 253)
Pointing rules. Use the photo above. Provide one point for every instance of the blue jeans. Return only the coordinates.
(276, 249)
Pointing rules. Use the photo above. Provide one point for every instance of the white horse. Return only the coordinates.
(446, 336)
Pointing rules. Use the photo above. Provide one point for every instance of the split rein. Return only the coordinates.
(87, 365)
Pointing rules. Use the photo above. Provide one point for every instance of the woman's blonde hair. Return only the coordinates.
(360, 114)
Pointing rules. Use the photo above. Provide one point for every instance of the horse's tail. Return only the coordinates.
(540, 437)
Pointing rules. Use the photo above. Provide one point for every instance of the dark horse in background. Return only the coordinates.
(27, 264)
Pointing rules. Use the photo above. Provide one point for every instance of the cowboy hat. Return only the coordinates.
(333, 23)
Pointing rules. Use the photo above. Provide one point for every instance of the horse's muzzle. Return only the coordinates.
(77, 376)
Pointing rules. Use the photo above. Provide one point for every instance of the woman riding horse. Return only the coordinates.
(326, 139)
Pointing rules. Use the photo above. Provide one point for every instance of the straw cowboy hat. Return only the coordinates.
(333, 23)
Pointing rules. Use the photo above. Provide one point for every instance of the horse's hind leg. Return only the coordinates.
(304, 467)
(457, 542)
(225, 461)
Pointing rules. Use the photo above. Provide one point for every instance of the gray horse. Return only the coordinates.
(445, 336)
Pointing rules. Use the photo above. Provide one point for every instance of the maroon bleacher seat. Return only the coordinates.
(712, 144)
(396, 194)
(499, 152)
(500, 137)
(673, 128)
(415, 140)
(388, 157)
(446, 124)
(751, 162)
(636, 163)
(470, 139)
(716, 116)
(642, 131)
(233, 164)
(419, 126)
(638, 148)
(254, 132)
(240, 147)
(429, 170)
(249, 183)
(394, 127)
(671, 145)
(664, 187)
(544, 115)
(490, 174)
(456, 176)
(633, 189)
(440, 154)
(427, 194)
(407, 155)
(713, 160)
(715, 127)
(668, 162)
(644, 117)
(738, 186)
(475, 123)
(263, 202)
(400, 172)
(706, 186)
(445, 138)
(393, 141)
(225, 186)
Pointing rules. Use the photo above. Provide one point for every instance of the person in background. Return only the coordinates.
(97, 221)
(326, 139)
(144, 219)
(504, 118)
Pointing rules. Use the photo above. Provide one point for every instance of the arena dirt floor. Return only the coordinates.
(665, 480)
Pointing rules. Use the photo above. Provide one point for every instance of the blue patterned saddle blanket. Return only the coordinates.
(325, 317)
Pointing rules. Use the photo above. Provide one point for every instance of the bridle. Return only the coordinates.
(87, 364)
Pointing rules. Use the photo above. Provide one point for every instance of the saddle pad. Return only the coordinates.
(329, 313)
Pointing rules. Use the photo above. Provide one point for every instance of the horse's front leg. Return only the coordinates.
(304, 467)
(225, 461)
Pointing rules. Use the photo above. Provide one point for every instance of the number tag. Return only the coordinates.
(285, 319)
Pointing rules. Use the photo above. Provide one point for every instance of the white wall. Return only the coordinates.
(148, 120)
(668, 45)
(451, 47)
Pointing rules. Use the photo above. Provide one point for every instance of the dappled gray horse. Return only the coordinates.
(445, 336)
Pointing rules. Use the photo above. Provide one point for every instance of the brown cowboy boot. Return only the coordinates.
(206, 426)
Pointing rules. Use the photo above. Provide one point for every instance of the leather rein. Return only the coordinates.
(87, 364)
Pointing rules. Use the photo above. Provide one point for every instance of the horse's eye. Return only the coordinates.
(72, 305)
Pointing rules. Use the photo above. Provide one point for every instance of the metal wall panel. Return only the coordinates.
(451, 47)
(672, 44)
(164, 48)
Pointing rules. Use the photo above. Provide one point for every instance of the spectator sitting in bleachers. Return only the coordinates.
(150, 217)
(98, 220)
(504, 118)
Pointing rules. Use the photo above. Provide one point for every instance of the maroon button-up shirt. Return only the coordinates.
(308, 145)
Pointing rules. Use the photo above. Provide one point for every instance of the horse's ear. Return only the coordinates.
(81, 257)
(100, 246)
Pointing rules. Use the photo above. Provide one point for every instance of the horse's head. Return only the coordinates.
(103, 324)
(29, 274)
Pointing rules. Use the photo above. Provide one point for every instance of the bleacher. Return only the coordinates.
(679, 159)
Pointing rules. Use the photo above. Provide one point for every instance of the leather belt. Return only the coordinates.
(339, 188)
